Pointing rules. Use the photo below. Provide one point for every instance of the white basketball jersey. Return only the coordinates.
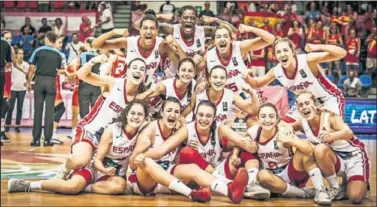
(338, 145)
(152, 60)
(210, 151)
(158, 141)
(223, 106)
(121, 149)
(304, 79)
(272, 154)
(196, 47)
(234, 65)
(106, 112)
(172, 91)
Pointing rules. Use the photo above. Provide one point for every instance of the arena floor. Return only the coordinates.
(20, 160)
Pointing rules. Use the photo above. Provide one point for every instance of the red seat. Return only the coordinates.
(21, 4)
(58, 4)
(9, 4)
(33, 4)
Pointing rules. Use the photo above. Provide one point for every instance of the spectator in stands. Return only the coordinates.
(369, 22)
(43, 6)
(317, 35)
(371, 53)
(352, 86)
(58, 27)
(313, 13)
(167, 8)
(229, 4)
(266, 25)
(252, 7)
(207, 11)
(292, 6)
(2, 22)
(225, 15)
(106, 21)
(334, 38)
(347, 32)
(85, 29)
(353, 53)
(28, 25)
(296, 34)
(258, 63)
(74, 47)
(18, 90)
(288, 19)
(137, 10)
(42, 31)
(27, 43)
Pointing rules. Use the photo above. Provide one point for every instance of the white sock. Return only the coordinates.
(177, 186)
(252, 175)
(219, 176)
(36, 185)
(88, 188)
(293, 191)
(333, 181)
(317, 179)
(219, 187)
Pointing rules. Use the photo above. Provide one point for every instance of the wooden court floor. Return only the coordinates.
(20, 160)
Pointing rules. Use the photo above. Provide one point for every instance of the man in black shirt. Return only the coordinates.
(42, 32)
(206, 11)
(45, 63)
(5, 60)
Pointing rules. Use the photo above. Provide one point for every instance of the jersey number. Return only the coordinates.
(233, 87)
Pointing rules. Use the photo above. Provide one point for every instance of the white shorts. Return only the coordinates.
(354, 167)
(335, 105)
(371, 63)
(290, 175)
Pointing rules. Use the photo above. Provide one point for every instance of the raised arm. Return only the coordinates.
(342, 130)
(259, 82)
(103, 150)
(144, 141)
(243, 142)
(154, 90)
(190, 107)
(263, 40)
(208, 30)
(330, 53)
(249, 107)
(85, 74)
(170, 144)
(104, 42)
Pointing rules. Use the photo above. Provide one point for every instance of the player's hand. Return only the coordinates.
(246, 73)
(139, 160)
(326, 137)
(242, 28)
(311, 47)
(247, 88)
(201, 87)
(181, 122)
(193, 144)
(208, 19)
(285, 134)
(197, 59)
(235, 161)
(110, 171)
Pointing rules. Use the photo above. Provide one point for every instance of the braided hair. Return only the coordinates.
(213, 126)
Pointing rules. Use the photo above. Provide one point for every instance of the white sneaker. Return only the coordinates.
(62, 172)
(322, 198)
(255, 191)
(336, 193)
(18, 185)
(309, 192)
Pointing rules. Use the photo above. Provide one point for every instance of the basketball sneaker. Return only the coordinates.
(201, 195)
(18, 185)
(336, 193)
(236, 188)
(255, 191)
(322, 198)
(62, 172)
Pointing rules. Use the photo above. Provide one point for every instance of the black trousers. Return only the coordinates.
(44, 92)
(87, 98)
(2, 83)
(20, 97)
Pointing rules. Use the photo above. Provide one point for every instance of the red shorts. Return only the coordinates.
(294, 177)
(224, 169)
(75, 96)
(58, 96)
(351, 59)
(86, 173)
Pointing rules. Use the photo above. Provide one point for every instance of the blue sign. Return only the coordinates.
(360, 115)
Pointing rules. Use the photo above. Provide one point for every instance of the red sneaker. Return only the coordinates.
(236, 188)
(201, 195)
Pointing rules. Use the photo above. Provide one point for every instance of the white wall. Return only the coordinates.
(155, 5)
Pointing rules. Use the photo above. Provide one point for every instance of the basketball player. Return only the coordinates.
(285, 171)
(151, 141)
(182, 87)
(301, 72)
(90, 129)
(110, 162)
(336, 150)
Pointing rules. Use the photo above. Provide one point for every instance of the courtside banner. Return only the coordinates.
(258, 18)
(71, 21)
(360, 115)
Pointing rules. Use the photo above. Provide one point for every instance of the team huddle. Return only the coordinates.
(174, 134)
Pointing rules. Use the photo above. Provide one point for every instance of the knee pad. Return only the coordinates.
(4, 107)
(189, 155)
(58, 112)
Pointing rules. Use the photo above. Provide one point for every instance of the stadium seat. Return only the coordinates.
(33, 5)
(366, 81)
(57, 5)
(330, 77)
(8, 6)
(21, 5)
(341, 80)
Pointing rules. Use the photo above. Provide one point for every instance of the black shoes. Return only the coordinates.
(17, 129)
(4, 137)
(35, 143)
(6, 129)
(48, 143)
